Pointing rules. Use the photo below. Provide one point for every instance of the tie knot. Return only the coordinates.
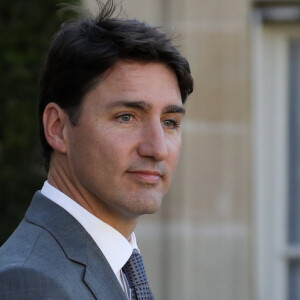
(134, 269)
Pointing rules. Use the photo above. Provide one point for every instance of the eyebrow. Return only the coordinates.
(175, 109)
(132, 104)
(142, 105)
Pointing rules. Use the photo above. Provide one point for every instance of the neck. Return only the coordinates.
(58, 177)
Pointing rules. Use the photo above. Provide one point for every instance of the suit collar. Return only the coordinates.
(64, 228)
(115, 247)
(77, 245)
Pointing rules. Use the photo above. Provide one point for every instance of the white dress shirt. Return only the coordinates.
(114, 246)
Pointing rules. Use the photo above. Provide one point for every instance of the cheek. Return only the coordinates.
(174, 151)
(116, 144)
(113, 150)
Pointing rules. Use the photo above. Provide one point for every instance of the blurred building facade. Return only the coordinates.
(230, 226)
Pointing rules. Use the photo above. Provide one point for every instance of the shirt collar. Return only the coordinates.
(114, 246)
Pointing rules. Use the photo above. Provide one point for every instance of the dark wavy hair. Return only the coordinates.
(84, 49)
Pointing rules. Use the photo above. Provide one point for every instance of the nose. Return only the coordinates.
(153, 142)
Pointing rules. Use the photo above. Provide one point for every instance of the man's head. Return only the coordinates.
(83, 50)
(111, 105)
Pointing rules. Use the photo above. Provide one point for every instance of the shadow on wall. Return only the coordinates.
(25, 29)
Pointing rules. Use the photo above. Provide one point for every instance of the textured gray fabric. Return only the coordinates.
(135, 273)
(51, 256)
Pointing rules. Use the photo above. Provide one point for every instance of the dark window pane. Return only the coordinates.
(294, 280)
(294, 145)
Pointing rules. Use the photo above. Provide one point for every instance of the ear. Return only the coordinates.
(54, 121)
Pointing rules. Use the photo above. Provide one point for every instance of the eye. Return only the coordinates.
(173, 124)
(125, 117)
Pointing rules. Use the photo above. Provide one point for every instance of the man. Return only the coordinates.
(111, 105)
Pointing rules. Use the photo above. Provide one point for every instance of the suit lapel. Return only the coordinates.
(99, 273)
(77, 245)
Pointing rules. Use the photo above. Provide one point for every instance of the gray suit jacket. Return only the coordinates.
(51, 256)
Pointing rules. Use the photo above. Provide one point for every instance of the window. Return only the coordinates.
(294, 171)
(276, 176)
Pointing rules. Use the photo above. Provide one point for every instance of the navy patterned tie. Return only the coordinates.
(136, 277)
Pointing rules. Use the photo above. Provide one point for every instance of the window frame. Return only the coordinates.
(270, 156)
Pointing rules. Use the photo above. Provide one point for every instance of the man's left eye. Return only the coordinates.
(125, 118)
(170, 123)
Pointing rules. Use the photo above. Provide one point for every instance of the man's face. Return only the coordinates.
(124, 150)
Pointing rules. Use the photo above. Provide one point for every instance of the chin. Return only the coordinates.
(137, 204)
(149, 207)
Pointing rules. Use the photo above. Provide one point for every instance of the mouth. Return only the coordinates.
(146, 176)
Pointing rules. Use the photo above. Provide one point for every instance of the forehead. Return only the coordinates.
(128, 70)
(129, 80)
